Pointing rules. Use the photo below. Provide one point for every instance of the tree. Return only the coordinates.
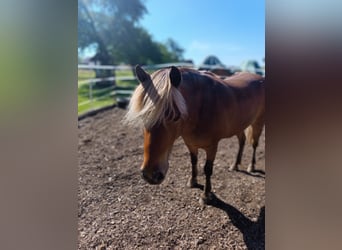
(111, 26)
(175, 50)
(105, 23)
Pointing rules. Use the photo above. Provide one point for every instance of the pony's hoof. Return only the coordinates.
(233, 168)
(192, 183)
(250, 168)
(207, 200)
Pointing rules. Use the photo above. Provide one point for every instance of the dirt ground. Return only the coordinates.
(117, 209)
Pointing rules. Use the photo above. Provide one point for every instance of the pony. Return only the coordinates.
(202, 109)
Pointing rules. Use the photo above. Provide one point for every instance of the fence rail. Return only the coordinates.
(96, 95)
(112, 78)
(129, 67)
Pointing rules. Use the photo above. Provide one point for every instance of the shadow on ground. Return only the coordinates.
(255, 173)
(253, 231)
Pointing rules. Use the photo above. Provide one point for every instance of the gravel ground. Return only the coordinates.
(117, 209)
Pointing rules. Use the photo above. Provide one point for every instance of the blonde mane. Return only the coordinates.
(155, 101)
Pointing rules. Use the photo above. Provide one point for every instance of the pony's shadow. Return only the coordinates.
(253, 231)
(255, 173)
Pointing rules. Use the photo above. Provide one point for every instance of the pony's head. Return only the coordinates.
(159, 105)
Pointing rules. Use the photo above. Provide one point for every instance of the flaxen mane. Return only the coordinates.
(156, 101)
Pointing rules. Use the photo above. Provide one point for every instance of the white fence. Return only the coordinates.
(112, 90)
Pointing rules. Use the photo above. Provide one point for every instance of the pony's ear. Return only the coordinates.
(141, 74)
(175, 76)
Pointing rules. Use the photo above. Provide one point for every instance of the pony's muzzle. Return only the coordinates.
(157, 177)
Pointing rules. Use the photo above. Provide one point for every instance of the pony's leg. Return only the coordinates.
(208, 170)
(256, 132)
(251, 166)
(192, 183)
(242, 141)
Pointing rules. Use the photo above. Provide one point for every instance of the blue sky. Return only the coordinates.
(233, 30)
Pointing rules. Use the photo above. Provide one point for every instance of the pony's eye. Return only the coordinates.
(177, 117)
(172, 115)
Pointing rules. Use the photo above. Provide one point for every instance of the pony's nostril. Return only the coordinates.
(143, 174)
(158, 176)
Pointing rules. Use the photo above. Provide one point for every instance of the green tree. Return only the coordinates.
(175, 50)
(103, 24)
(111, 26)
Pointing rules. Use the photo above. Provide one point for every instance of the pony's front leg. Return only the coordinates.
(208, 170)
(192, 183)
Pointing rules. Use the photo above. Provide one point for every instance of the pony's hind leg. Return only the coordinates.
(251, 166)
(253, 134)
(242, 140)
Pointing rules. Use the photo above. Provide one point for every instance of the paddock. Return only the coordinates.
(117, 209)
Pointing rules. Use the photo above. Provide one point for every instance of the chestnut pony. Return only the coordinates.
(202, 109)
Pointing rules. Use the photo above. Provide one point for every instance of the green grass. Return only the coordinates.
(95, 105)
(84, 74)
(105, 96)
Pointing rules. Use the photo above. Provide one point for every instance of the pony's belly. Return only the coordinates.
(205, 139)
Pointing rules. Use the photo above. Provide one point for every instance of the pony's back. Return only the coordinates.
(220, 108)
